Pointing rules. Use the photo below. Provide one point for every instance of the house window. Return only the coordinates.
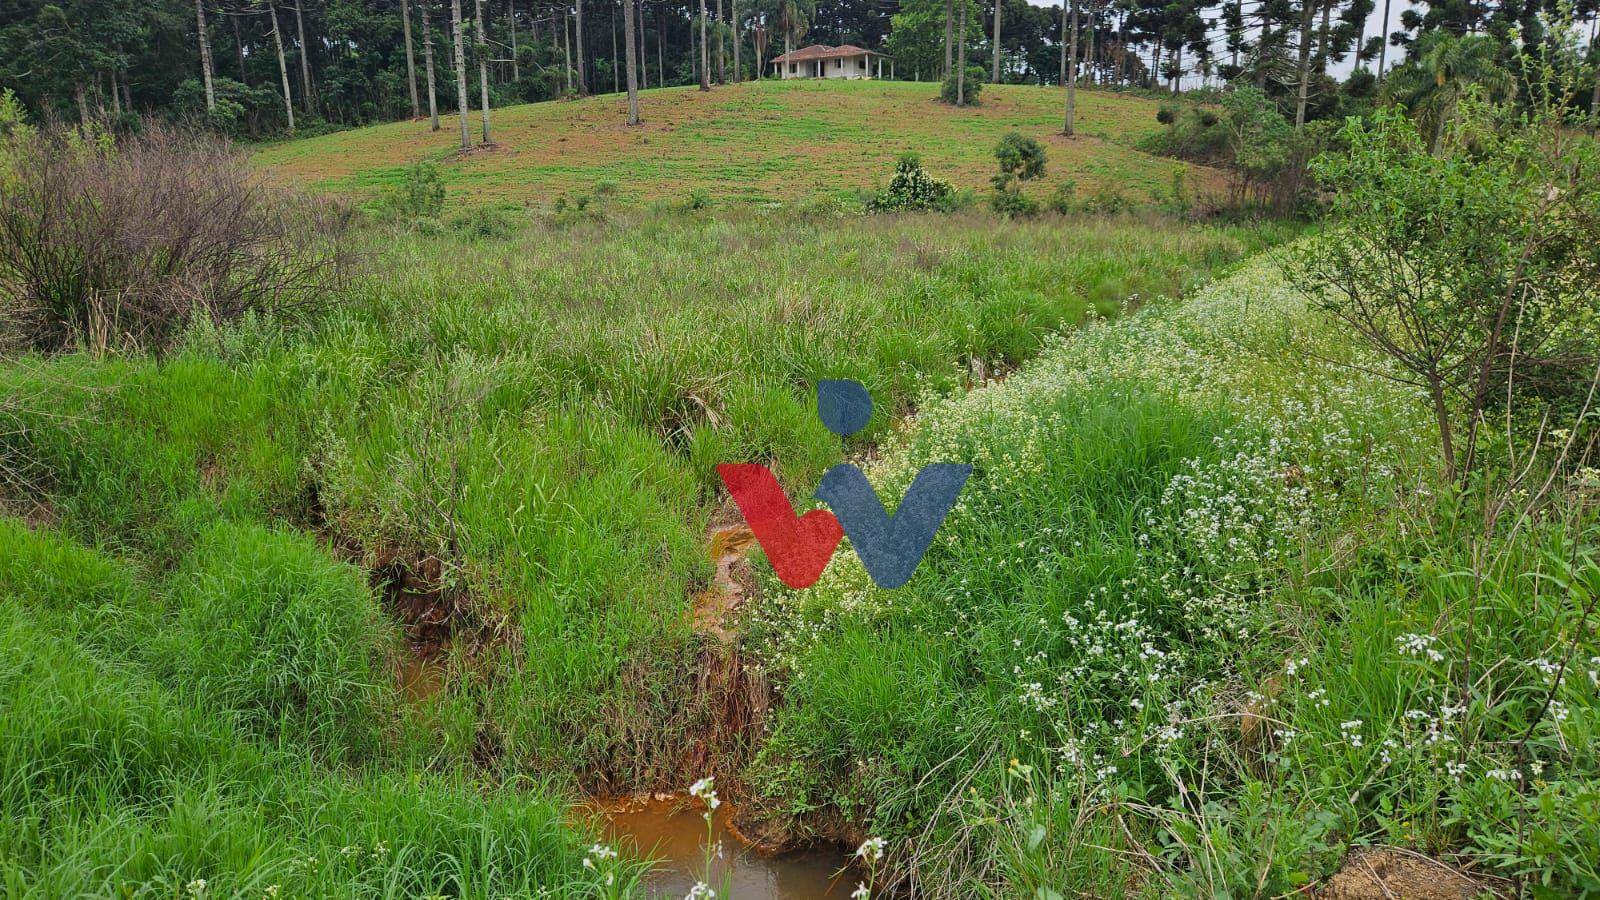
(862, 63)
(838, 64)
(791, 68)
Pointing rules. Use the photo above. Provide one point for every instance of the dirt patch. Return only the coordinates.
(1381, 873)
(728, 546)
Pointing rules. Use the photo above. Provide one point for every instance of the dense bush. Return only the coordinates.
(968, 91)
(108, 243)
(912, 188)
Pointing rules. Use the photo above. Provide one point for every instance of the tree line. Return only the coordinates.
(258, 68)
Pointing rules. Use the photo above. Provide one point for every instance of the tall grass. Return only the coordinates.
(112, 783)
(523, 431)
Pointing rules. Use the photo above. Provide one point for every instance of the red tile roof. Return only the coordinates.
(822, 51)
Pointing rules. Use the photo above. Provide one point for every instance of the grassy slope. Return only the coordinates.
(758, 141)
(543, 413)
(1197, 626)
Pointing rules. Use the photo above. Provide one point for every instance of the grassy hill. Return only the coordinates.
(755, 142)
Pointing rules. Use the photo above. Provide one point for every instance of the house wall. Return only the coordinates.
(853, 67)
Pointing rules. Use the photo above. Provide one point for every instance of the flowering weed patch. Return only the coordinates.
(1196, 625)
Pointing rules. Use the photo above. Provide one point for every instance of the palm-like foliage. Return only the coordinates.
(1442, 71)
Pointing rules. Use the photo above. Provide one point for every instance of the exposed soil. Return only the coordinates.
(1381, 873)
(733, 582)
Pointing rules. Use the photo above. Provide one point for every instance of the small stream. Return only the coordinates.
(674, 833)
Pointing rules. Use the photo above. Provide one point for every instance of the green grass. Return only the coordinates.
(756, 142)
(115, 782)
(529, 425)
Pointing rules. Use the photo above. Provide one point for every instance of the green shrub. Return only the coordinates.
(970, 90)
(1021, 159)
(484, 222)
(1064, 199)
(1011, 201)
(271, 629)
(912, 188)
(419, 195)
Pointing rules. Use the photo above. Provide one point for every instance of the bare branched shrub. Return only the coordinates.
(123, 244)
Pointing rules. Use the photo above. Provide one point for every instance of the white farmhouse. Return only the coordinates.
(822, 61)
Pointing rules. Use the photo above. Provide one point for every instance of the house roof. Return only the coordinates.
(823, 51)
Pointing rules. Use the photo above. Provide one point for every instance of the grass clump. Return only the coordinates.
(112, 783)
(270, 629)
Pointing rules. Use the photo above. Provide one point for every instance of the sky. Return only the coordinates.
(1340, 69)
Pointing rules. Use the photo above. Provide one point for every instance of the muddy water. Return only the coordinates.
(674, 832)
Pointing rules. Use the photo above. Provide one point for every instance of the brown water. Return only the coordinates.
(674, 832)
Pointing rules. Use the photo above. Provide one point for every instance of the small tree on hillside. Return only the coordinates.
(1473, 270)
(1021, 159)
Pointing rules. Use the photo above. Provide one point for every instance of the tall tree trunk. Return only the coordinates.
(305, 54)
(1305, 63)
(961, 56)
(205, 54)
(705, 51)
(633, 64)
(996, 76)
(516, 61)
(566, 50)
(482, 48)
(577, 38)
(733, 9)
(459, 43)
(1322, 37)
(1177, 69)
(949, 36)
(644, 64)
(427, 62)
(1089, 58)
(1072, 72)
(722, 46)
(238, 47)
(411, 59)
(116, 95)
(1261, 52)
(1065, 31)
(616, 71)
(1594, 97)
(283, 64)
(661, 43)
(1383, 48)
